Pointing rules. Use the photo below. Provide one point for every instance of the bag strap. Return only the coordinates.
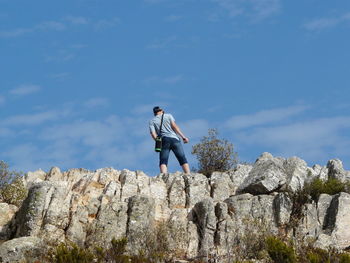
(161, 124)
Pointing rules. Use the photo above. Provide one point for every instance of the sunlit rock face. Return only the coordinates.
(209, 214)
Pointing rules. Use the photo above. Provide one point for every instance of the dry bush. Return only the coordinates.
(12, 190)
(214, 154)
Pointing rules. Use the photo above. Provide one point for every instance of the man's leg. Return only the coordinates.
(163, 168)
(164, 155)
(186, 168)
(180, 156)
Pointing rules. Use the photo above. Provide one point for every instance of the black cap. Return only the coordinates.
(156, 109)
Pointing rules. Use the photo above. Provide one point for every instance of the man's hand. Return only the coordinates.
(186, 140)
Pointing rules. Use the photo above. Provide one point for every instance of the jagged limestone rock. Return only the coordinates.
(282, 209)
(238, 175)
(205, 218)
(176, 190)
(336, 170)
(338, 219)
(141, 210)
(296, 171)
(23, 249)
(111, 222)
(221, 186)
(266, 176)
(7, 213)
(197, 188)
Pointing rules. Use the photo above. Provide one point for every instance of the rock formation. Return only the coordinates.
(208, 214)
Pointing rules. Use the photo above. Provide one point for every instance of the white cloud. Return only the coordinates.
(106, 23)
(25, 89)
(76, 20)
(314, 139)
(2, 100)
(60, 76)
(44, 26)
(326, 23)
(31, 119)
(164, 80)
(96, 102)
(263, 117)
(256, 9)
(162, 43)
(173, 18)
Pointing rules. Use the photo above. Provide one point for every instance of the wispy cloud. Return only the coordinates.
(173, 18)
(164, 80)
(326, 23)
(76, 20)
(25, 89)
(31, 119)
(263, 117)
(60, 25)
(106, 23)
(314, 139)
(59, 76)
(2, 100)
(44, 26)
(62, 55)
(162, 43)
(96, 102)
(255, 9)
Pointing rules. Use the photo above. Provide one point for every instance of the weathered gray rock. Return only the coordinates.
(282, 209)
(221, 186)
(33, 177)
(323, 204)
(266, 176)
(296, 171)
(205, 218)
(239, 174)
(7, 213)
(338, 219)
(141, 211)
(24, 249)
(111, 222)
(176, 190)
(197, 188)
(336, 170)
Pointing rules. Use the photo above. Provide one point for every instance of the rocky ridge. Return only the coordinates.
(208, 214)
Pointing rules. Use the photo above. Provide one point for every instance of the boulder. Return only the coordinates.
(221, 186)
(266, 176)
(336, 170)
(24, 249)
(176, 190)
(205, 218)
(7, 213)
(197, 188)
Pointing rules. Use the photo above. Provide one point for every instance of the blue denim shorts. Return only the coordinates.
(173, 145)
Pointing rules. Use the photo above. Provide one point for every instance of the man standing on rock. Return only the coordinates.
(169, 132)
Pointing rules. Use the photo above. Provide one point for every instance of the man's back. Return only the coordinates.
(167, 130)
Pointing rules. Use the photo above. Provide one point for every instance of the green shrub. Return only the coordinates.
(318, 255)
(12, 190)
(344, 258)
(72, 254)
(279, 251)
(332, 186)
(214, 154)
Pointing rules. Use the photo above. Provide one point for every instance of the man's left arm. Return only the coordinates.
(176, 128)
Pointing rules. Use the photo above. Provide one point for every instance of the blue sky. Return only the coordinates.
(79, 79)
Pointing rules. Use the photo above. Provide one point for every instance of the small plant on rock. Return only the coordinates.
(214, 154)
(279, 251)
(12, 190)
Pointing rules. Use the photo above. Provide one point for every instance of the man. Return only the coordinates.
(170, 133)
